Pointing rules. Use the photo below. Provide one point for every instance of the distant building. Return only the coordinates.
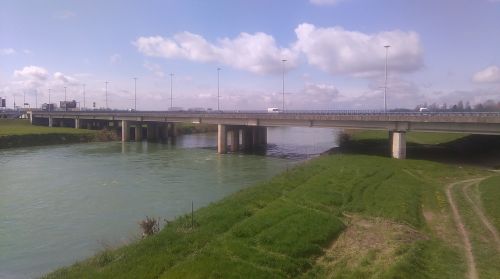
(3, 103)
(67, 105)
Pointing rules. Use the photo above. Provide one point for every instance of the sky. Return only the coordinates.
(441, 51)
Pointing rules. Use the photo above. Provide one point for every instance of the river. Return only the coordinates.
(63, 203)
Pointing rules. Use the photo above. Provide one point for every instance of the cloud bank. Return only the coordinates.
(333, 50)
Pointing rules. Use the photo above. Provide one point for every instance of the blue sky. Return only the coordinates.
(441, 51)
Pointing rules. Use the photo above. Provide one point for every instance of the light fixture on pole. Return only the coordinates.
(385, 86)
(218, 89)
(283, 105)
(171, 90)
(135, 94)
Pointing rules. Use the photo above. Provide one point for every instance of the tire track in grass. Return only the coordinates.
(480, 213)
(471, 263)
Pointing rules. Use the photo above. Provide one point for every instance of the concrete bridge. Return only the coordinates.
(247, 129)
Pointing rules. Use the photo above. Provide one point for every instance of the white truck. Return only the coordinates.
(273, 110)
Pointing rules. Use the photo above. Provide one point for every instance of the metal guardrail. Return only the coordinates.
(263, 112)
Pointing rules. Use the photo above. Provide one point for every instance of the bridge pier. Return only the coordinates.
(163, 131)
(77, 123)
(152, 133)
(138, 131)
(125, 131)
(399, 145)
(51, 121)
(235, 139)
(221, 139)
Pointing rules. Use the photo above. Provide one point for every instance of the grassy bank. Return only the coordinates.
(316, 221)
(489, 191)
(20, 133)
(479, 150)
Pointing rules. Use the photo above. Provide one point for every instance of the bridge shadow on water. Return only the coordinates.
(476, 150)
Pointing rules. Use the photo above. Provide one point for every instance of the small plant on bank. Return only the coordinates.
(149, 226)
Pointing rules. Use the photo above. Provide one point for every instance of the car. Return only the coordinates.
(273, 110)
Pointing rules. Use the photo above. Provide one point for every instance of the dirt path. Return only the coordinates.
(480, 213)
(471, 263)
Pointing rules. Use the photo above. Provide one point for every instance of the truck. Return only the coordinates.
(273, 110)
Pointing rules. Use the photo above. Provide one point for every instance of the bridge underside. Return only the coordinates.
(247, 131)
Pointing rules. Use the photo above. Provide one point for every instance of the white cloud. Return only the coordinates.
(32, 74)
(154, 68)
(325, 2)
(115, 58)
(339, 51)
(319, 93)
(7, 51)
(62, 79)
(257, 53)
(489, 75)
(333, 50)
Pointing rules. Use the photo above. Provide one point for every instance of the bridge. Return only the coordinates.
(247, 129)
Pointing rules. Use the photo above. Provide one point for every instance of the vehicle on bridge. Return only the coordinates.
(274, 110)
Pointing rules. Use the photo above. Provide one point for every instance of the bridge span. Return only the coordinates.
(247, 129)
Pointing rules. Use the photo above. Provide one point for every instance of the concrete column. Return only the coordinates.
(51, 121)
(262, 135)
(152, 131)
(125, 131)
(245, 138)
(235, 139)
(138, 132)
(172, 130)
(77, 123)
(164, 131)
(399, 145)
(221, 139)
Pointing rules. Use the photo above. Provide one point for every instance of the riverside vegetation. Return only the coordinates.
(337, 216)
(20, 133)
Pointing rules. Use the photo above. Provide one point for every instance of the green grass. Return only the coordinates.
(279, 228)
(411, 137)
(18, 127)
(20, 133)
(489, 190)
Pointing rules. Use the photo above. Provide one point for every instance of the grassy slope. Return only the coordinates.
(489, 190)
(281, 227)
(20, 133)
(411, 137)
(17, 127)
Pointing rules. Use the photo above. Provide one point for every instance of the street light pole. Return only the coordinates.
(171, 89)
(385, 87)
(49, 100)
(65, 93)
(36, 98)
(218, 88)
(135, 94)
(283, 105)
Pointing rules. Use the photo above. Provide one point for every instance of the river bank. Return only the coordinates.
(20, 133)
(336, 215)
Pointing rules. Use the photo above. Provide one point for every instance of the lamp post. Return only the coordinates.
(135, 94)
(49, 99)
(218, 89)
(171, 90)
(283, 105)
(65, 93)
(385, 86)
